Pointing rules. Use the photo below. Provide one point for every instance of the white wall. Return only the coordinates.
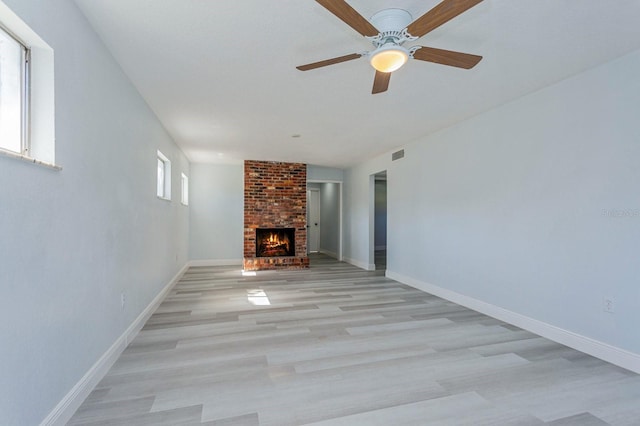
(74, 240)
(217, 214)
(532, 207)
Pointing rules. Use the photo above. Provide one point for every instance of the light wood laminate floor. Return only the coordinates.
(336, 345)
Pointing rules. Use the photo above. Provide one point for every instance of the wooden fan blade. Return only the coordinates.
(381, 82)
(442, 13)
(349, 16)
(447, 57)
(329, 62)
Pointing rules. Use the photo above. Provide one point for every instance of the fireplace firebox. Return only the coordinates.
(275, 242)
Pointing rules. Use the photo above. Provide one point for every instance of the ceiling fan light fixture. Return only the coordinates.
(389, 57)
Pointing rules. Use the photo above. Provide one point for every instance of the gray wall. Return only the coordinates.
(74, 240)
(217, 215)
(531, 207)
(319, 173)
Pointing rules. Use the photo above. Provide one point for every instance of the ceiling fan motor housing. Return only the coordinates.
(392, 24)
(391, 20)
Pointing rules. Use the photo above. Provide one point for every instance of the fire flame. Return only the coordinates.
(274, 243)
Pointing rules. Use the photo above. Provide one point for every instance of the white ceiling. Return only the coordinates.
(221, 75)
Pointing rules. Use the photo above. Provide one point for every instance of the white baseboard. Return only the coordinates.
(62, 412)
(216, 262)
(361, 265)
(604, 351)
(329, 253)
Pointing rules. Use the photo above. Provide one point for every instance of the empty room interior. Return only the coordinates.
(319, 212)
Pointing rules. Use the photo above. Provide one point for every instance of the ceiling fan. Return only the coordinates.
(389, 29)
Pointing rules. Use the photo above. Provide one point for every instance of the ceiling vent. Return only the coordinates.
(397, 155)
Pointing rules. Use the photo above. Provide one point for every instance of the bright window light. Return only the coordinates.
(163, 182)
(160, 186)
(258, 297)
(185, 189)
(13, 94)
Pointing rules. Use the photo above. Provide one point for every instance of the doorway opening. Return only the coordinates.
(379, 240)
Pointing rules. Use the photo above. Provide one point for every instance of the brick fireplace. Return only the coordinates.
(275, 198)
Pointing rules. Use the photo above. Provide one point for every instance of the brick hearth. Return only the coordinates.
(275, 196)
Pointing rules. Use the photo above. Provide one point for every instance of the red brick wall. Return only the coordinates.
(275, 196)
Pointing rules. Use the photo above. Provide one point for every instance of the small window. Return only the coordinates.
(14, 83)
(185, 189)
(163, 188)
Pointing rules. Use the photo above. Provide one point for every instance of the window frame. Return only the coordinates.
(40, 123)
(25, 92)
(163, 183)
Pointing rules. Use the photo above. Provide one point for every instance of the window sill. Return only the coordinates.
(163, 199)
(27, 159)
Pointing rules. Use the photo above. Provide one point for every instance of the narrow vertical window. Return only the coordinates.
(185, 189)
(163, 187)
(160, 178)
(14, 67)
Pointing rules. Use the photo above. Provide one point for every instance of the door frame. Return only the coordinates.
(372, 216)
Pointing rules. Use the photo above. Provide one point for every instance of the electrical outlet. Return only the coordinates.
(608, 305)
(122, 300)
